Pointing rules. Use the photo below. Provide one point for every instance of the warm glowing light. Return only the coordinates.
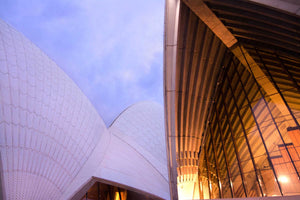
(117, 197)
(188, 188)
(283, 179)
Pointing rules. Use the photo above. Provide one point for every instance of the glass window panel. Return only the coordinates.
(203, 179)
(231, 124)
(226, 191)
(222, 114)
(234, 168)
(247, 118)
(214, 119)
(230, 107)
(237, 89)
(287, 178)
(227, 97)
(239, 134)
(219, 103)
(265, 120)
(252, 91)
(235, 124)
(247, 165)
(256, 96)
(245, 76)
(240, 68)
(256, 144)
(230, 152)
(271, 137)
(238, 187)
(226, 131)
(241, 100)
(251, 184)
(204, 187)
(225, 87)
(268, 182)
(243, 149)
(248, 85)
(234, 81)
(259, 110)
(231, 70)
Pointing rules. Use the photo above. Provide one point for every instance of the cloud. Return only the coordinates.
(112, 49)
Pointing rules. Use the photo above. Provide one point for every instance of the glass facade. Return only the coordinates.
(251, 147)
(102, 191)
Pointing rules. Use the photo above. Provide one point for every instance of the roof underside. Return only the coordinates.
(259, 25)
(199, 53)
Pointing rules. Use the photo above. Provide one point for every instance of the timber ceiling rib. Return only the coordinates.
(259, 25)
(199, 56)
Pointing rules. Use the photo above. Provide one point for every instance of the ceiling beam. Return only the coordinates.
(219, 29)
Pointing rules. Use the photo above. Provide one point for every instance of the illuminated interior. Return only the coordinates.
(188, 187)
(235, 100)
(249, 150)
(102, 191)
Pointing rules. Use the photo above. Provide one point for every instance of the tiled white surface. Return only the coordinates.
(131, 153)
(142, 126)
(48, 128)
(89, 168)
(52, 140)
(124, 165)
(136, 155)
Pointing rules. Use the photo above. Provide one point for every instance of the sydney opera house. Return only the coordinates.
(229, 127)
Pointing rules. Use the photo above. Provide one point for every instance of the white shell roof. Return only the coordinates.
(48, 128)
(142, 126)
(52, 140)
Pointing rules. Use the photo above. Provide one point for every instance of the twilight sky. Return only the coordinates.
(112, 49)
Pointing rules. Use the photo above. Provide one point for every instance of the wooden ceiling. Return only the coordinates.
(199, 56)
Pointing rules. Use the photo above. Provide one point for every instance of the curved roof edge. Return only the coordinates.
(141, 126)
(43, 103)
(129, 107)
(134, 157)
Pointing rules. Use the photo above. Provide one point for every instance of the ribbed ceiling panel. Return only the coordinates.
(259, 25)
(199, 57)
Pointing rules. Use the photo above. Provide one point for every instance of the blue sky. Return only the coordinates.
(112, 49)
